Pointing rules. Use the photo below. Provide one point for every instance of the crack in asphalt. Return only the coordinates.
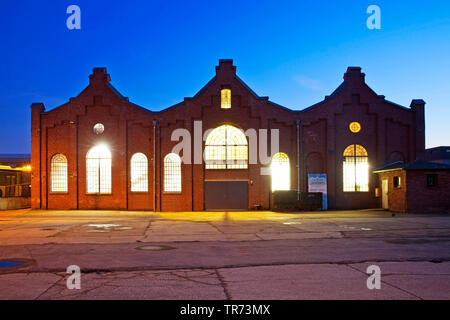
(51, 286)
(389, 284)
(223, 283)
(234, 266)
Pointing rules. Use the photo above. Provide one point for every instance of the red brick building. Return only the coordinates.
(100, 151)
(416, 187)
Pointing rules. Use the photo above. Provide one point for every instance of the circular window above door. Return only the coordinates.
(99, 128)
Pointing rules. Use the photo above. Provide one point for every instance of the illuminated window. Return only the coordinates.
(226, 98)
(281, 172)
(98, 170)
(172, 173)
(99, 128)
(226, 147)
(139, 173)
(355, 127)
(58, 172)
(356, 169)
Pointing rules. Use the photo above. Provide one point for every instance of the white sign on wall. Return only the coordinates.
(318, 183)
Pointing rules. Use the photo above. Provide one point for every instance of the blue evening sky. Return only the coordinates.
(158, 52)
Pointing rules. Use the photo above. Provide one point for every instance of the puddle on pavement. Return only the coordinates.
(155, 248)
(10, 264)
(288, 223)
(103, 225)
(356, 228)
(106, 227)
(14, 264)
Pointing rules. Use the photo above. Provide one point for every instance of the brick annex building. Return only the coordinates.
(100, 151)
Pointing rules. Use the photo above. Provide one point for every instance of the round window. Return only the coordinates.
(355, 127)
(99, 128)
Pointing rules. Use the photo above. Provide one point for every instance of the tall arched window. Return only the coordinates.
(356, 169)
(281, 172)
(98, 170)
(58, 173)
(139, 173)
(172, 173)
(226, 147)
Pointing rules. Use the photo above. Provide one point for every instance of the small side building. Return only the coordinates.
(416, 187)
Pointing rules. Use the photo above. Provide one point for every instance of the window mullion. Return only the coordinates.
(226, 147)
(99, 178)
(354, 166)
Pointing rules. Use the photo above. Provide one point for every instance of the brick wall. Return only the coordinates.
(423, 199)
(388, 130)
(396, 196)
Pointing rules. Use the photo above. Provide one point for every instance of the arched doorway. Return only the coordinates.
(226, 160)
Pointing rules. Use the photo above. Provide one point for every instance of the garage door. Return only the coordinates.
(226, 195)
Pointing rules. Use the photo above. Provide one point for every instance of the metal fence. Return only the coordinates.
(14, 191)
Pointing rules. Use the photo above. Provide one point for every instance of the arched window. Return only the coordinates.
(356, 169)
(98, 170)
(139, 173)
(226, 147)
(172, 173)
(281, 172)
(225, 99)
(58, 173)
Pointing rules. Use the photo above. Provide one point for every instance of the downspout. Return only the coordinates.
(77, 157)
(127, 164)
(155, 124)
(298, 155)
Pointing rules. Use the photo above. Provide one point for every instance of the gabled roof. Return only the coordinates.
(100, 74)
(415, 165)
(426, 165)
(398, 165)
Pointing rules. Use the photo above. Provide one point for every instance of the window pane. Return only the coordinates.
(215, 157)
(92, 175)
(226, 99)
(59, 180)
(281, 172)
(349, 174)
(226, 148)
(237, 157)
(172, 173)
(355, 169)
(362, 174)
(139, 173)
(105, 175)
(98, 170)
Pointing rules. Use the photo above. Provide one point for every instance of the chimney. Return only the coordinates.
(225, 65)
(99, 75)
(354, 76)
(418, 106)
